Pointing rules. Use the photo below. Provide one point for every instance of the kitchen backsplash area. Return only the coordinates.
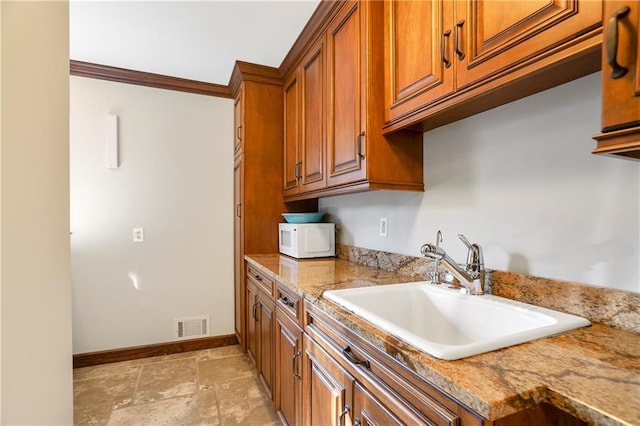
(613, 307)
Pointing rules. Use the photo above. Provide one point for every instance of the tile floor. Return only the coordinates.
(209, 387)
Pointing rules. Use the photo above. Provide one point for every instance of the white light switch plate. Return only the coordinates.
(384, 226)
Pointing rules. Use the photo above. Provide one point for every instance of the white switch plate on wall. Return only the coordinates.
(384, 226)
(138, 235)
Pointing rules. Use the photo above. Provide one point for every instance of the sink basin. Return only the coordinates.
(448, 324)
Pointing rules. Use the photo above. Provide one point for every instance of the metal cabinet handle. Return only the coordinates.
(359, 145)
(238, 210)
(255, 313)
(286, 301)
(293, 366)
(611, 43)
(258, 277)
(351, 357)
(357, 422)
(443, 50)
(456, 40)
(238, 132)
(298, 170)
(346, 410)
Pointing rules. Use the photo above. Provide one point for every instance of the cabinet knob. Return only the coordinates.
(611, 43)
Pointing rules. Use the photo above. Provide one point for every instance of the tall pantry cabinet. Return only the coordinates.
(258, 171)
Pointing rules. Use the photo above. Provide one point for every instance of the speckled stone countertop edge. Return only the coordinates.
(457, 378)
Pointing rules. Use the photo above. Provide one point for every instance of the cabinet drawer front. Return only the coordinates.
(265, 283)
(289, 303)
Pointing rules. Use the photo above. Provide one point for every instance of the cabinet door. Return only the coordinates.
(252, 322)
(313, 136)
(328, 388)
(265, 346)
(288, 350)
(238, 121)
(345, 56)
(291, 135)
(621, 95)
(238, 263)
(494, 38)
(418, 55)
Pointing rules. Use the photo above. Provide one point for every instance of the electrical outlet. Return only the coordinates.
(384, 226)
(138, 235)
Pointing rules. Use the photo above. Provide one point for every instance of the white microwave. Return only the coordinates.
(307, 240)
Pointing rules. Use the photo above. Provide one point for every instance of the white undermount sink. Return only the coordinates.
(449, 325)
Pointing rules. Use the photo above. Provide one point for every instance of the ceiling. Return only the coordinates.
(197, 40)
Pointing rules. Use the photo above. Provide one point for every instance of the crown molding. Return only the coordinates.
(140, 78)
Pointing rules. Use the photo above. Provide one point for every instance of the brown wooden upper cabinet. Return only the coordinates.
(334, 112)
(305, 124)
(620, 81)
(447, 60)
(346, 159)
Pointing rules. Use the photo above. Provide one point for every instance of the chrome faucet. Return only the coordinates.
(434, 274)
(472, 276)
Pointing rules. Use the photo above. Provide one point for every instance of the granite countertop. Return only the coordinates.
(592, 373)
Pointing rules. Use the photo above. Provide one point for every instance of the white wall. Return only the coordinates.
(520, 181)
(175, 180)
(35, 281)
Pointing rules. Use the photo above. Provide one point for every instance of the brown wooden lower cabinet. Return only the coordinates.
(318, 372)
(260, 328)
(266, 312)
(252, 321)
(287, 398)
(327, 388)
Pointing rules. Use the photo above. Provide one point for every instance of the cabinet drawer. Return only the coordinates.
(289, 302)
(399, 389)
(265, 283)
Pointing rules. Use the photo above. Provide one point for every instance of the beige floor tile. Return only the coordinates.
(93, 399)
(241, 402)
(105, 370)
(198, 355)
(223, 369)
(197, 409)
(225, 351)
(165, 380)
(164, 391)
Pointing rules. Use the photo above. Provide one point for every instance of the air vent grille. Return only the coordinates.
(187, 328)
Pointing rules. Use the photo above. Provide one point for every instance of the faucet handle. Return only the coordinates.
(465, 241)
(475, 261)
